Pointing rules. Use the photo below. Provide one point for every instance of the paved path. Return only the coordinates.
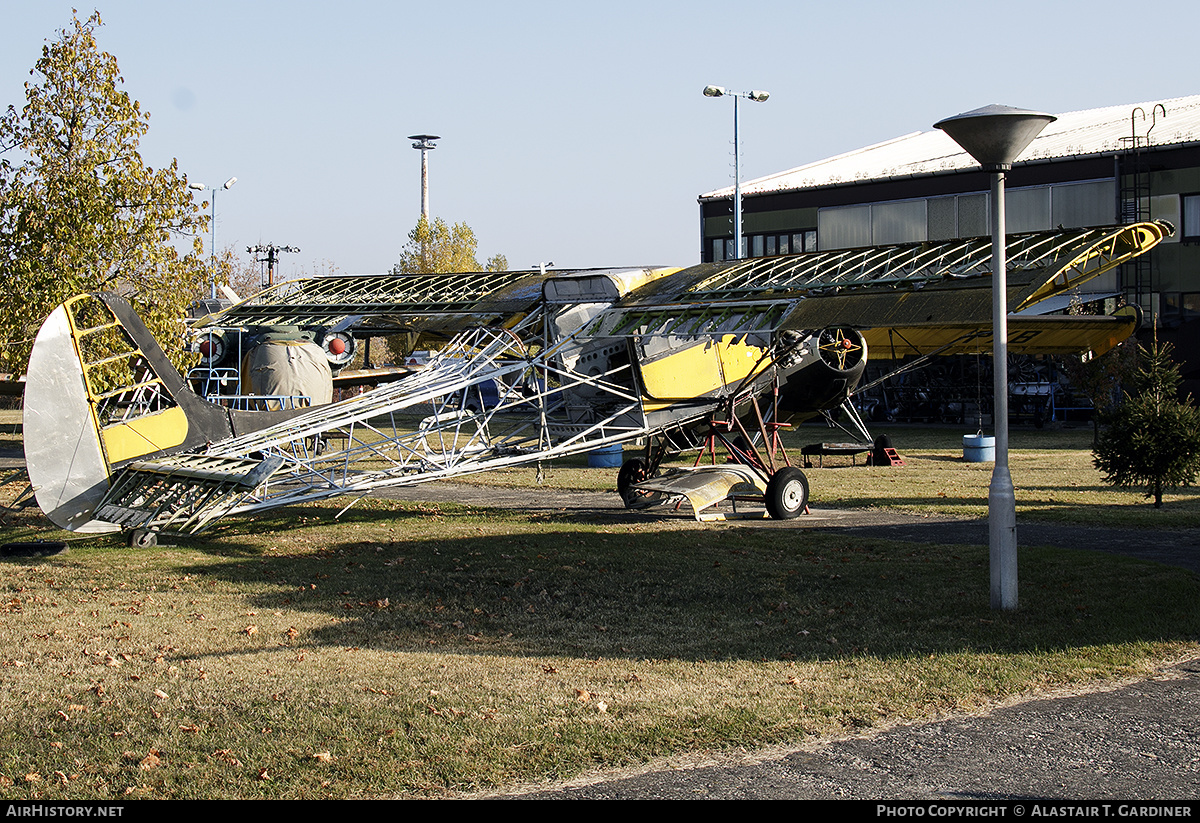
(1140, 741)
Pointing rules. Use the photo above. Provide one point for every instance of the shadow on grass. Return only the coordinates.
(945, 458)
(918, 502)
(1181, 511)
(508, 583)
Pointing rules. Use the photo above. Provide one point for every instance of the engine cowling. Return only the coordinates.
(820, 370)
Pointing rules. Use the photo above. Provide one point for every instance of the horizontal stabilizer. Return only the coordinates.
(182, 493)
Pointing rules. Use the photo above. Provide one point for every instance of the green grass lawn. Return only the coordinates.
(421, 650)
(410, 650)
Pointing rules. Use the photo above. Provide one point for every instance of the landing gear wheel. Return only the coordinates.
(635, 470)
(142, 539)
(787, 493)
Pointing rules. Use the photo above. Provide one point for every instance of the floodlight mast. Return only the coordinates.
(425, 145)
(272, 257)
(212, 259)
(758, 96)
(995, 136)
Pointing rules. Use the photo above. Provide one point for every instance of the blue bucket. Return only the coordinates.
(606, 457)
(979, 448)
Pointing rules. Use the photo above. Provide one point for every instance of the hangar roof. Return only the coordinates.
(1074, 134)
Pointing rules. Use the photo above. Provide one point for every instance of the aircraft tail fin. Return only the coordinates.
(99, 394)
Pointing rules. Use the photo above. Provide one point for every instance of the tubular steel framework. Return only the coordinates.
(571, 361)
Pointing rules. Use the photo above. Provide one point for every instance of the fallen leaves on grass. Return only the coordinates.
(226, 756)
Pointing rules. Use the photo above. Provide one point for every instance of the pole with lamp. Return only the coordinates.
(424, 145)
(757, 96)
(995, 136)
(272, 257)
(228, 184)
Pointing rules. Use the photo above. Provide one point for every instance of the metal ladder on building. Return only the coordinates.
(1133, 206)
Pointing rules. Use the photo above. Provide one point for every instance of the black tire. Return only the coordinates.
(143, 539)
(787, 494)
(634, 470)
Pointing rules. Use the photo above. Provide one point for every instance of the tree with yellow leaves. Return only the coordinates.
(435, 247)
(79, 209)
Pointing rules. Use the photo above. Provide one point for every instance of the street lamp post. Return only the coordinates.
(212, 249)
(758, 97)
(995, 136)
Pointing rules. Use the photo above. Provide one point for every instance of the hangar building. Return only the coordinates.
(1097, 167)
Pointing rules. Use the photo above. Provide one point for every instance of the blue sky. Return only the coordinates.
(571, 132)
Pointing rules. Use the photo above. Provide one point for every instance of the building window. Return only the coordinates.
(1191, 217)
(794, 243)
(1084, 204)
(1028, 210)
(900, 222)
(765, 245)
(722, 249)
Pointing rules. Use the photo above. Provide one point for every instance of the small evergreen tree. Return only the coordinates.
(1152, 439)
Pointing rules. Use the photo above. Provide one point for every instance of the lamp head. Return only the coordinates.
(424, 141)
(995, 135)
